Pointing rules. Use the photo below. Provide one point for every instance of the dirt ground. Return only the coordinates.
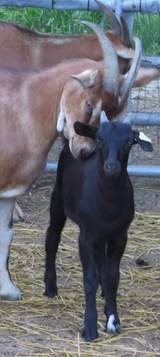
(38, 326)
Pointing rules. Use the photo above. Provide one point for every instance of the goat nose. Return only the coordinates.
(85, 154)
(112, 168)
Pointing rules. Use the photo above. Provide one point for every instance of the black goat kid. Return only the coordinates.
(97, 195)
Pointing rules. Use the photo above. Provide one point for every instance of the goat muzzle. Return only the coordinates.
(112, 169)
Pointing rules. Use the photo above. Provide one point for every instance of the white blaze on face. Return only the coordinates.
(97, 108)
(144, 137)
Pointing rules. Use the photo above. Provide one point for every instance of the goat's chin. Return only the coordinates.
(81, 147)
(112, 175)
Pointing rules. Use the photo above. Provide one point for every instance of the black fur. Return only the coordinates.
(97, 195)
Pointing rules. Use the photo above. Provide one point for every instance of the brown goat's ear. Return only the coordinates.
(87, 78)
(146, 75)
(85, 130)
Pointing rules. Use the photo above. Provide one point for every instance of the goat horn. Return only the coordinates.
(119, 26)
(125, 37)
(111, 66)
(114, 21)
(131, 75)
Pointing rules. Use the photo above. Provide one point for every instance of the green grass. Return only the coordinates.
(147, 27)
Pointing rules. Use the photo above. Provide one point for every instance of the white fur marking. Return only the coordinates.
(7, 288)
(110, 326)
(144, 137)
(60, 121)
(103, 118)
(13, 192)
(97, 108)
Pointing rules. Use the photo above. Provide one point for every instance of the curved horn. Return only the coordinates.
(131, 75)
(111, 66)
(114, 21)
(125, 33)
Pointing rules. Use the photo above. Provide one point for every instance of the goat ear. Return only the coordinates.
(144, 141)
(145, 75)
(60, 121)
(86, 78)
(85, 130)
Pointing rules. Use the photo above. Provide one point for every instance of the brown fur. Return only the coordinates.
(27, 49)
(29, 107)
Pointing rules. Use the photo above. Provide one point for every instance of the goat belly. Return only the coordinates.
(106, 209)
(105, 220)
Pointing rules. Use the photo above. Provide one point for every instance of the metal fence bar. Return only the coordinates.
(140, 118)
(133, 170)
(145, 6)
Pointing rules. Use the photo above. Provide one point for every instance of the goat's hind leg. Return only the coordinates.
(114, 254)
(57, 222)
(7, 289)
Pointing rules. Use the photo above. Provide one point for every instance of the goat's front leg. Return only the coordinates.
(114, 253)
(7, 289)
(90, 278)
(57, 221)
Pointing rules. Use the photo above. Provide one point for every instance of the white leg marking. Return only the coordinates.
(112, 327)
(7, 289)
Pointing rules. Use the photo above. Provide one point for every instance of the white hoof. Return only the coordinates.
(113, 326)
(10, 292)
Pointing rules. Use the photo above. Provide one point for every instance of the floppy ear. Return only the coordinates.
(85, 130)
(143, 141)
(87, 78)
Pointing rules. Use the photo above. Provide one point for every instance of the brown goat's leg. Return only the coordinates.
(115, 250)
(7, 289)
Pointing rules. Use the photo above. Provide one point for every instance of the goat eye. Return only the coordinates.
(89, 108)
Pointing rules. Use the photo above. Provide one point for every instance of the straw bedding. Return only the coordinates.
(38, 326)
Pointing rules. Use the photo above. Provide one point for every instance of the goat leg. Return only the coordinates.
(90, 279)
(114, 253)
(57, 221)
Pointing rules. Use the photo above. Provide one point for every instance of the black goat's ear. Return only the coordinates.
(85, 130)
(143, 140)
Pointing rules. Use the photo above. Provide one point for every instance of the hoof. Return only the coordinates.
(113, 325)
(13, 294)
(89, 335)
(50, 293)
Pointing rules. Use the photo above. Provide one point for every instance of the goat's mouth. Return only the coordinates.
(81, 147)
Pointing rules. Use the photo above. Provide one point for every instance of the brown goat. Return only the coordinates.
(30, 103)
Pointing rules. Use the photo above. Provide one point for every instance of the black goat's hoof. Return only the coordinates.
(50, 293)
(113, 325)
(89, 335)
